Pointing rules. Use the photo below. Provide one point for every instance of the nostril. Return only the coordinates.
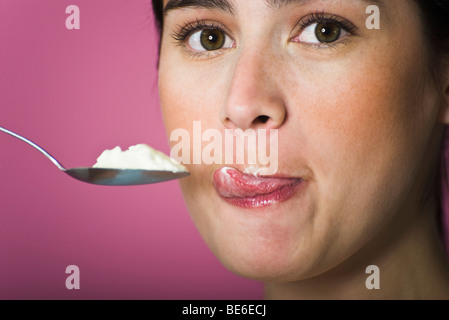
(261, 119)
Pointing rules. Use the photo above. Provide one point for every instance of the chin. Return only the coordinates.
(261, 253)
(263, 266)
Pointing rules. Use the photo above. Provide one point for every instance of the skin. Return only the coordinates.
(361, 122)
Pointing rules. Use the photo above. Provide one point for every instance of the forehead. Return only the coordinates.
(230, 5)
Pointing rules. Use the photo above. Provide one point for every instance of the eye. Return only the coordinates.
(323, 32)
(209, 40)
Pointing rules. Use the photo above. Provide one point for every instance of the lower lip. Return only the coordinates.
(264, 200)
(250, 192)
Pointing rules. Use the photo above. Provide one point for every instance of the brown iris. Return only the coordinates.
(327, 32)
(212, 39)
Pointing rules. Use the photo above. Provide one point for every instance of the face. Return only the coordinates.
(355, 110)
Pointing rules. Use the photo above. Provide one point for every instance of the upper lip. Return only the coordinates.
(232, 183)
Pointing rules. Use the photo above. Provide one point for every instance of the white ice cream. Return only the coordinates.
(140, 156)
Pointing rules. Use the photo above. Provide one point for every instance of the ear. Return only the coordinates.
(444, 110)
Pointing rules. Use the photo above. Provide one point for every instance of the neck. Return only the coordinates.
(411, 260)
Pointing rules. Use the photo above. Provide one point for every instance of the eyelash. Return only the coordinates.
(183, 32)
(321, 17)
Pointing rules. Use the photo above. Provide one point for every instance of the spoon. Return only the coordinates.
(106, 176)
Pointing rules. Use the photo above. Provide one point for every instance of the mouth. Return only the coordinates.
(249, 191)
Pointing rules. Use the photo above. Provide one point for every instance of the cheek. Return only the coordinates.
(358, 126)
(191, 91)
(186, 98)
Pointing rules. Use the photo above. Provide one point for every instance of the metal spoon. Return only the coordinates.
(108, 177)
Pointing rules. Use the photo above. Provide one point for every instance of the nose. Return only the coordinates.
(254, 98)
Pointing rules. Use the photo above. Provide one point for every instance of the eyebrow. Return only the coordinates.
(226, 6)
(222, 5)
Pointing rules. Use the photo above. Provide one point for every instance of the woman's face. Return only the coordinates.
(355, 110)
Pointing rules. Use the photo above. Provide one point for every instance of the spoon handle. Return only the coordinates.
(34, 145)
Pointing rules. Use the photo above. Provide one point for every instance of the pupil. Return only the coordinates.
(326, 30)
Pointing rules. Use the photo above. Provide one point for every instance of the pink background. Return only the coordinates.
(76, 93)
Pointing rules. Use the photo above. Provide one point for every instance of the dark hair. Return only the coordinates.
(158, 7)
(435, 14)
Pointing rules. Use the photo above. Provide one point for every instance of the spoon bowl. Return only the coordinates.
(122, 177)
(108, 176)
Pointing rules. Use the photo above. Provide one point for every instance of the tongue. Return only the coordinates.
(232, 183)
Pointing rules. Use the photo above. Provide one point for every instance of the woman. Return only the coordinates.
(359, 97)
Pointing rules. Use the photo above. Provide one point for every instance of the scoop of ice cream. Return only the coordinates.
(140, 156)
